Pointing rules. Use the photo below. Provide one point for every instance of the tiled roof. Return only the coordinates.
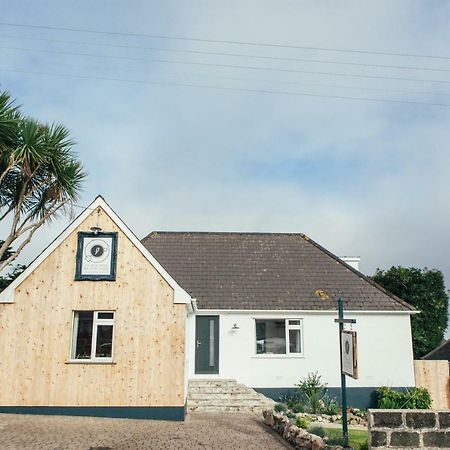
(266, 271)
(440, 352)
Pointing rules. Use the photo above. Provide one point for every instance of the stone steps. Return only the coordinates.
(200, 396)
(202, 382)
(226, 409)
(218, 390)
(229, 386)
(217, 395)
(227, 402)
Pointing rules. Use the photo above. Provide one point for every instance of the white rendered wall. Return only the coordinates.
(384, 350)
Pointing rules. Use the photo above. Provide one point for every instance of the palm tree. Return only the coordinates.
(40, 176)
(9, 115)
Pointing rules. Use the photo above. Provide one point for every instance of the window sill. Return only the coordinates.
(86, 361)
(274, 356)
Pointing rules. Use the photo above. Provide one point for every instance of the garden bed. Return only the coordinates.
(314, 437)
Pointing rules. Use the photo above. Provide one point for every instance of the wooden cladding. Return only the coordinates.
(149, 330)
(434, 375)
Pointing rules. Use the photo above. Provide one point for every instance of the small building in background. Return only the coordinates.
(440, 352)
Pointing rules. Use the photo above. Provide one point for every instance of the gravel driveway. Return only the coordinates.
(212, 431)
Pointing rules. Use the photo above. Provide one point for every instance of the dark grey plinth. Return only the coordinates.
(409, 429)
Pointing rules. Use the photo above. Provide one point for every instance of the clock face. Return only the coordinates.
(97, 250)
(96, 256)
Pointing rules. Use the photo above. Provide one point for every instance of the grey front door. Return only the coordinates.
(207, 344)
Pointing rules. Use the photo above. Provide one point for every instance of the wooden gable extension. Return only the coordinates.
(147, 367)
(181, 296)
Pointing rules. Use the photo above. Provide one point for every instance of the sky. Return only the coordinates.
(181, 135)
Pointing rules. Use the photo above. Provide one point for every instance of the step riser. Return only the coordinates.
(216, 409)
(222, 395)
(225, 402)
(216, 389)
(213, 383)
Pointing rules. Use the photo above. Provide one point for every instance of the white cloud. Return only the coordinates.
(186, 158)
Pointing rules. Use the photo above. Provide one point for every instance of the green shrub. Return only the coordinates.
(318, 431)
(388, 398)
(313, 398)
(280, 407)
(290, 414)
(364, 446)
(298, 408)
(301, 422)
(311, 390)
(415, 398)
(419, 398)
(329, 406)
(290, 399)
(335, 440)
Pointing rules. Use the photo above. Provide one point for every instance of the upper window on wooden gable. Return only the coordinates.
(92, 338)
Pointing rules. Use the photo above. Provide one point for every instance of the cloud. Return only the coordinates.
(359, 177)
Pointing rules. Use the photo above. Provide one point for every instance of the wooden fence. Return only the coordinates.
(434, 375)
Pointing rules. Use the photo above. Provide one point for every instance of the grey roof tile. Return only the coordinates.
(265, 271)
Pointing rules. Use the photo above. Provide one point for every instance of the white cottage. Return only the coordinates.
(104, 324)
(264, 310)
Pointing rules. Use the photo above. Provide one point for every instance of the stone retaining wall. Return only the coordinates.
(406, 428)
(300, 439)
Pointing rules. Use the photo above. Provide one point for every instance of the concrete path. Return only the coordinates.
(200, 431)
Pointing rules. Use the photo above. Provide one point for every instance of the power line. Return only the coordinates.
(239, 55)
(230, 66)
(259, 80)
(220, 41)
(81, 207)
(223, 88)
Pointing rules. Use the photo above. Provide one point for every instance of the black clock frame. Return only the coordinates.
(79, 258)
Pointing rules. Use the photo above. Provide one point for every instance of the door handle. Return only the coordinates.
(198, 343)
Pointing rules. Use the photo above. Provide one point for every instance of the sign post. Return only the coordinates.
(347, 351)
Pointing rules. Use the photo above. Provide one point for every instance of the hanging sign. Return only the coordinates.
(349, 353)
(96, 256)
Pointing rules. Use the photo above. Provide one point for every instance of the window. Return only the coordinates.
(93, 335)
(278, 336)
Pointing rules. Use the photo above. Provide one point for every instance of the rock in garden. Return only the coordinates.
(308, 441)
(268, 417)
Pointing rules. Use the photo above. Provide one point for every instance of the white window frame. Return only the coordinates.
(287, 327)
(96, 322)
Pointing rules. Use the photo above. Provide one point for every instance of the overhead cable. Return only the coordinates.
(230, 66)
(252, 80)
(224, 88)
(223, 41)
(234, 55)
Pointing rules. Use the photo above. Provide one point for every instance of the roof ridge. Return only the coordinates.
(249, 233)
(228, 232)
(357, 272)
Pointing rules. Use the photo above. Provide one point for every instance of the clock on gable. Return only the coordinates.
(96, 256)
